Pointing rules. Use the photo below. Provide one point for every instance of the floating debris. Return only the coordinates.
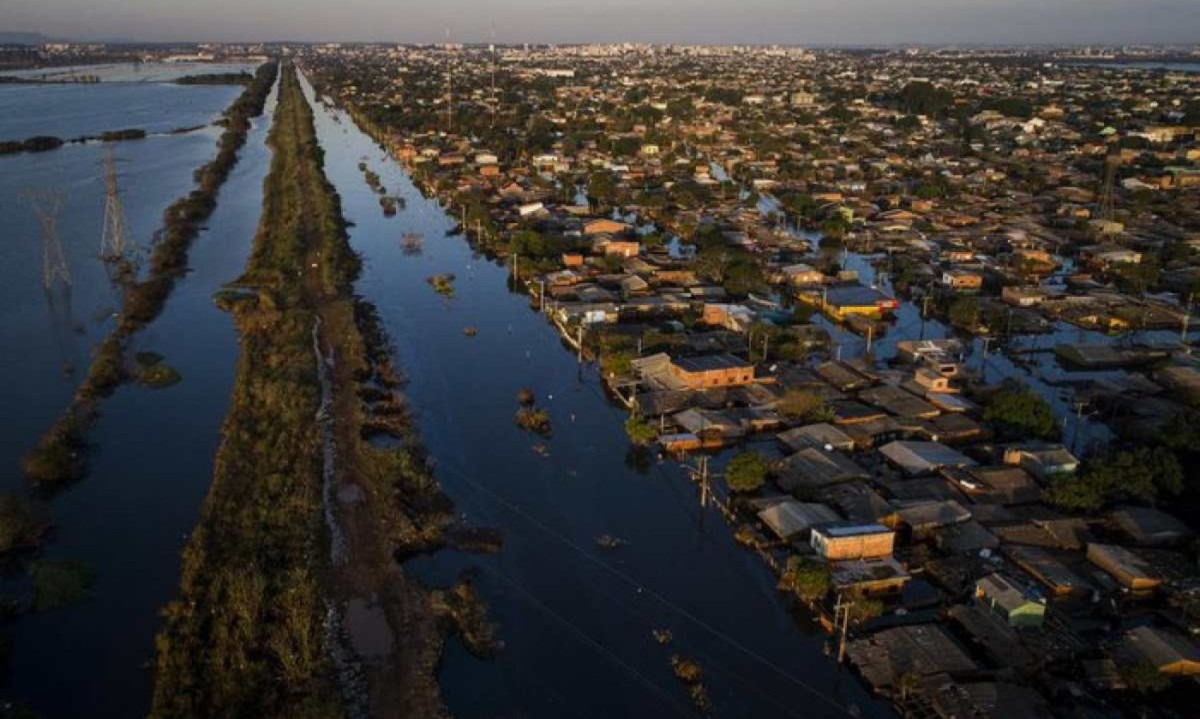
(663, 636)
(689, 672)
(607, 541)
(411, 244)
(534, 419)
(442, 284)
(470, 331)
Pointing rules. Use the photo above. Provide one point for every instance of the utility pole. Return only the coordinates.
(870, 336)
(114, 242)
(1187, 318)
(700, 474)
(47, 205)
(841, 612)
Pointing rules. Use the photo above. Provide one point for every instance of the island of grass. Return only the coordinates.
(216, 78)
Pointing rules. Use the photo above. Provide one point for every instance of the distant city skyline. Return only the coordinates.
(792, 22)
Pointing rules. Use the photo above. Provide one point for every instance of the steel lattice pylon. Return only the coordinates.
(47, 205)
(114, 243)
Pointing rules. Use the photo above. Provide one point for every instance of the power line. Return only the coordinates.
(625, 577)
(587, 639)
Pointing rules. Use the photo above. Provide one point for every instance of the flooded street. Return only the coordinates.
(577, 620)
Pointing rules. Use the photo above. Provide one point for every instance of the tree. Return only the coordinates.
(964, 312)
(804, 406)
(1018, 413)
(746, 472)
(808, 579)
(639, 430)
(1142, 475)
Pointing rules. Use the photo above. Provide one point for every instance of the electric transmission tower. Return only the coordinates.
(114, 243)
(47, 205)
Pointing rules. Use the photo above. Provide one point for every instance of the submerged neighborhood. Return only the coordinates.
(909, 327)
(927, 312)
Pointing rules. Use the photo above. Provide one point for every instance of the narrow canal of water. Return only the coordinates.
(151, 467)
(577, 620)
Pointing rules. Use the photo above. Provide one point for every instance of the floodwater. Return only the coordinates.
(153, 449)
(128, 97)
(577, 620)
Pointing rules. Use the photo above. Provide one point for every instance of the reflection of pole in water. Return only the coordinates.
(47, 205)
(62, 325)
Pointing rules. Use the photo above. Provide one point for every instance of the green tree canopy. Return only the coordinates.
(746, 472)
(1141, 474)
(1020, 413)
(808, 578)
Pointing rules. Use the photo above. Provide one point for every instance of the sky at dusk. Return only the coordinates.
(802, 22)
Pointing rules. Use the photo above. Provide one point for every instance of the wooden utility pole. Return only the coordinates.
(841, 612)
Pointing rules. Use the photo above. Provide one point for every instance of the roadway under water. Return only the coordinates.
(577, 620)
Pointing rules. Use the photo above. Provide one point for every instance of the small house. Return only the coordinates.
(1172, 654)
(712, 371)
(1018, 605)
(1126, 567)
(840, 541)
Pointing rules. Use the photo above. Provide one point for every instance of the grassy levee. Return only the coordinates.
(60, 454)
(247, 638)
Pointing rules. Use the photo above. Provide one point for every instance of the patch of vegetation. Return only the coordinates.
(116, 135)
(20, 525)
(805, 407)
(534, 419)
(746, 472)
(41, 143)
(1018, 413)
(247, 635)
(59, 583)
(465, 614)
(1141, 475)
(217, 78)
(640, 431)
(442, 284)
(808, 579)
(689, 672)
(159, 375)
